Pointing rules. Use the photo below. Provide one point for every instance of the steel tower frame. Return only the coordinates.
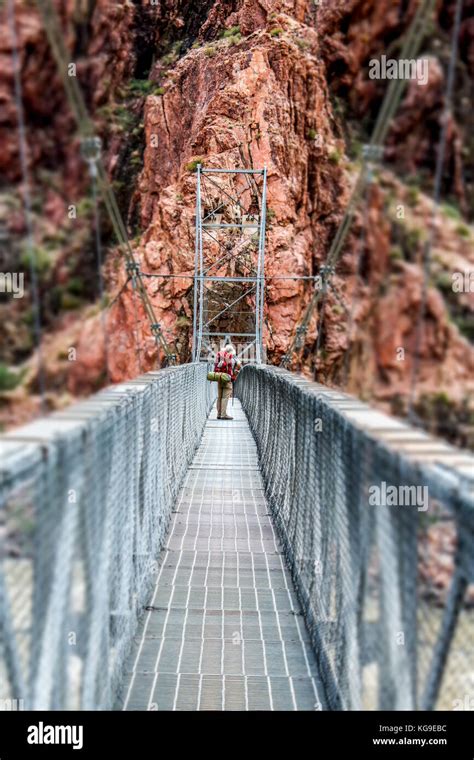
(229, 269)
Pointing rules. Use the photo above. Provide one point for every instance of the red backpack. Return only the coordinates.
(224, 363)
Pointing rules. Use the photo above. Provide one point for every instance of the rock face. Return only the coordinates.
(241, 82)
(233, 108)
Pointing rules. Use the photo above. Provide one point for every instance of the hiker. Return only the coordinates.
(227, 362)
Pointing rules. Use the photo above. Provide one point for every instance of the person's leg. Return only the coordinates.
(219, 400)
(226, 394)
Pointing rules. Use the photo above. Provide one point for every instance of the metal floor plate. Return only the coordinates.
(224, 630)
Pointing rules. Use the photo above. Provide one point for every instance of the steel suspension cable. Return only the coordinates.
(91, 153)
(409, 50)
(436, 199)
(86, 129)
(391, 102)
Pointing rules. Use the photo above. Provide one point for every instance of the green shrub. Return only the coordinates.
(69, 301)
(193, 165)
(413, 180)
(276, 32)
(124, 118)
(413, 196)
(169, 58)
(311, 134)
(8, 379)
(141, 86)
(444, 282)
(413, 238)
(135, 159)
(210, 51)
(465, 326)
(28, 318)
(231, 32)
(56, 240)
(463, 230)
(105, 112)
(355, 149)
(450, 210)
(302, 44)
(335, 156)
(233, 40)
(40, 258)
(84, 207)
(76, 286)
(396, 253)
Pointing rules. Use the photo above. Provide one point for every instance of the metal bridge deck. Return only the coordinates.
(225, 630)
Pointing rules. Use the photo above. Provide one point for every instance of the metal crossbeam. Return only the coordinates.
(230, 334)
(211, 278)
(229, 226)
(232, 171)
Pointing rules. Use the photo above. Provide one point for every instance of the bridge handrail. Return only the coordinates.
(356, 565)
(86, 495)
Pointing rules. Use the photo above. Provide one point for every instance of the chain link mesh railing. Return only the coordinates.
(85, 500)
(354, 494)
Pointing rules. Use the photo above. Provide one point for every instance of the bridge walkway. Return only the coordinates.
(223, 629)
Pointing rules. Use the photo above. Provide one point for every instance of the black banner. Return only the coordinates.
(375, 734)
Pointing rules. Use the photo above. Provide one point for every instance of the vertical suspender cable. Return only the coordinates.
(347, 354)
(196, 268)
(135, 316)
(201, 274)
(99, 259)
(27, 205)
(324, 297)
(261, 269)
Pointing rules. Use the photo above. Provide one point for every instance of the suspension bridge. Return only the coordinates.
(153, 557)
